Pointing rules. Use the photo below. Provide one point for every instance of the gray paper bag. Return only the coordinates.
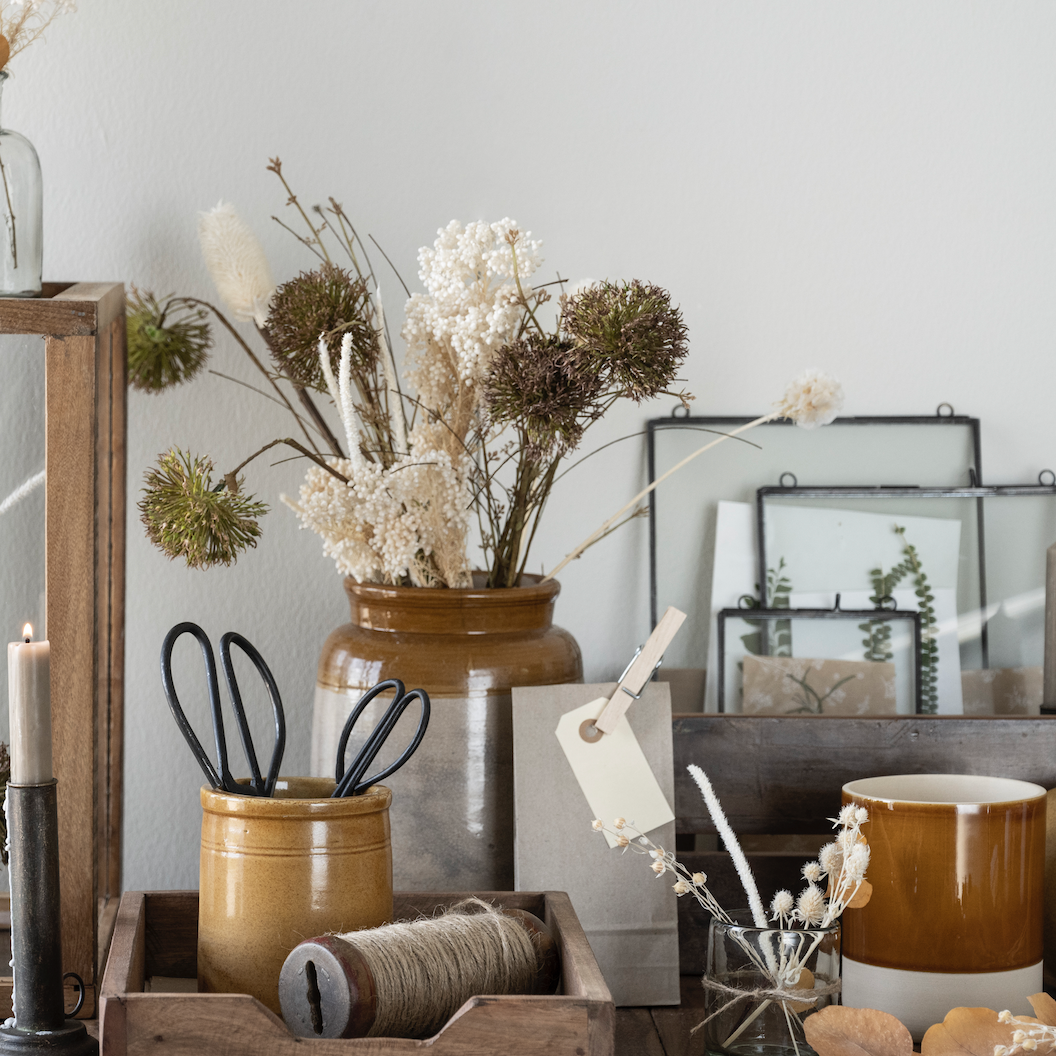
(629, 914)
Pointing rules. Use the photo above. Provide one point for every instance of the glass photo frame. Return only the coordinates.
(972, 560)
(789, 661)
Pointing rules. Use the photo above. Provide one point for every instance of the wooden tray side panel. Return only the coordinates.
(156, 933)
(784, 775)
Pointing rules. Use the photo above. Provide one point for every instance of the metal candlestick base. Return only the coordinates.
(40, 1020)
(71, 1040)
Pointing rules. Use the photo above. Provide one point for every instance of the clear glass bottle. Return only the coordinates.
(21, 235)
(749, 973)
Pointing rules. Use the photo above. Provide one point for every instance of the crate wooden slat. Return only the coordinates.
(83, 331)
(156, 934)
(784, 774)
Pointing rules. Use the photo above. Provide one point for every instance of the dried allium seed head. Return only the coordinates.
(632, 333)
(327, 302)
(167, 343)
(542, 386)
(185, 517)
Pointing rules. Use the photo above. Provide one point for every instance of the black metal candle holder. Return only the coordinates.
(41, 1024)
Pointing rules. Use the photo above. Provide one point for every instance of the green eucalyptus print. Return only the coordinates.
(778, 596)
(878, 632)
(929, 628)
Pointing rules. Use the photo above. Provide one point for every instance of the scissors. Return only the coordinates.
(219, 776)
(351, 782)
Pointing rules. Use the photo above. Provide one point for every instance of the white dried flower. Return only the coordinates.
(861, 815)
(1030, 1044)
(619, 823)
(813, 399)
(810, 906)
(1000, 1050)
(622, 841)
(830, 859)
(1004, 1017)
(812, 872)
(657, 852)
(700, 878)
(846, 815)
(659, 868)
(597, 825)
(782, 905)
(680, 887)
(1018, 1037)
(236, 261)
(856, 863)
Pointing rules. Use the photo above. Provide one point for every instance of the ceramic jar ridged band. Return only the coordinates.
(277, 871)
(452, 819)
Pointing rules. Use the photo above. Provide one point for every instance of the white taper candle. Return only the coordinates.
(29, 709)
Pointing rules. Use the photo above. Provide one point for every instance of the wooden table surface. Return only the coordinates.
(663, 1031)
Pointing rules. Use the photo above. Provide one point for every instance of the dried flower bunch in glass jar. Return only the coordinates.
(765, 975)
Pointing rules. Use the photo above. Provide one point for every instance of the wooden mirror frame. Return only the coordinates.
(83, 327)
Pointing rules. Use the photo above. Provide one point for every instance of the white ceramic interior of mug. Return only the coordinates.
(945, 789)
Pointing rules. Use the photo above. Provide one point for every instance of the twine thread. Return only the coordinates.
(425, 970)
(781, 994)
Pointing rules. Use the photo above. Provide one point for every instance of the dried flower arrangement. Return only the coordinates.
(841, 865)
(498, 393)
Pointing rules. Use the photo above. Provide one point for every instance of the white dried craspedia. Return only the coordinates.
(830, 859)
(813, 399)
(782, 905)
(810, 906)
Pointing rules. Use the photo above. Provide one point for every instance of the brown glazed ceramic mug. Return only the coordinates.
(957, 867)
(276, 871)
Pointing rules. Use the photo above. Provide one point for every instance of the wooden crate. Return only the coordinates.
(157, 936)
(83, 330)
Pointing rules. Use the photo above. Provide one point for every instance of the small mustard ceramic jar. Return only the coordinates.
(277, 871)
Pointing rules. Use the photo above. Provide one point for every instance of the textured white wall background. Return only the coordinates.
(864, 187)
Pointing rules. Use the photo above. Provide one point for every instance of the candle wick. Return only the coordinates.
(28, 640)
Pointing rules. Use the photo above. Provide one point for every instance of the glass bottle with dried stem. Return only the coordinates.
(21, 207)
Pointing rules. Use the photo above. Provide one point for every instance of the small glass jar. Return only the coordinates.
(745, 965)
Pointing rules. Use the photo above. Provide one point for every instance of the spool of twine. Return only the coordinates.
(408, 979)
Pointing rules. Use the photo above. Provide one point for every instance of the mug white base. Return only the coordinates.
(920, 999)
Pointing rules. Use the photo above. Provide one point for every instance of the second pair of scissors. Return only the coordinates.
(352, 782)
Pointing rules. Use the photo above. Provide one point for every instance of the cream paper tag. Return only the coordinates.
(613, 772)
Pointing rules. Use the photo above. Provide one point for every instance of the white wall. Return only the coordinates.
(867, 187)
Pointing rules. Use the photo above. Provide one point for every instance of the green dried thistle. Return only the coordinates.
(186, 516)
(632, 332)
(168, 343)
(541, 385)
(327, 301)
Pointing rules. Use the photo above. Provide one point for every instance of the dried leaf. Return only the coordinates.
(862, 896)
(965, 1031)
(806, 982)
(840, 1031)
(1044, 1008)
(5, 51)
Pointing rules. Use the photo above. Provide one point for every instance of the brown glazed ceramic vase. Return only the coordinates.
(277, 871)
(452, 818)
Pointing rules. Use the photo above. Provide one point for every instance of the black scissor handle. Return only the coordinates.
(423, 723)
(261, 786)
(218, 778)
(350, 722)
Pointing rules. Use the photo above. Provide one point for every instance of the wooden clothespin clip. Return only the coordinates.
(638, 672)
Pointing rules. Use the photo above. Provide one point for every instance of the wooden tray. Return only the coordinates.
(157, 936)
